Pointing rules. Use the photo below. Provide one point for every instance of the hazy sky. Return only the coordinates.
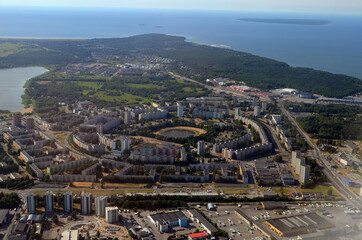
(312, 6)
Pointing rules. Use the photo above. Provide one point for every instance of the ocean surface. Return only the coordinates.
(12, 81)
(334, 47)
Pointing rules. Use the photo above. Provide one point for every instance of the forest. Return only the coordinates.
(191, 60)
(340, 122)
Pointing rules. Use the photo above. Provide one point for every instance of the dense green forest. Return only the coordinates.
(193, 60)
(330, 121)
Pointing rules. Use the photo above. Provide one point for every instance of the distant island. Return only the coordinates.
(287, 21)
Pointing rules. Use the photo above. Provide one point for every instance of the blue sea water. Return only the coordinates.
(336, 47)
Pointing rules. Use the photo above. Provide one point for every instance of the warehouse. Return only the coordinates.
(297, 225)
(169, 219)
(209, 228)
(270, 205)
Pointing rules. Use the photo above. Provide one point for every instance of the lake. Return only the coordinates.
(12, 81)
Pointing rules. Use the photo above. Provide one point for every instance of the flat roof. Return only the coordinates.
(203, 220)
(168, 216)
(273, 204)
(246, 217)
(294, 224)
(197, 235)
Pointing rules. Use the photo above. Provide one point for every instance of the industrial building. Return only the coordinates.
(270, 205)
(166, 220)
(196, 216)
(297, 225)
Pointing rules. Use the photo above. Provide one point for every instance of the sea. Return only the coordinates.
(335, 47)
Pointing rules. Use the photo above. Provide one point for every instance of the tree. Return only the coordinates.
(74, 215)
(278, 158)
(330, 192)
(55, 218)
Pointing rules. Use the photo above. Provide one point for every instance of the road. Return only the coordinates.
(334, 179)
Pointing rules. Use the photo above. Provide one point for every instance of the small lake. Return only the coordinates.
(12, 81)
(178, 133)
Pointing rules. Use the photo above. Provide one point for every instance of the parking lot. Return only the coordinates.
(227, 220)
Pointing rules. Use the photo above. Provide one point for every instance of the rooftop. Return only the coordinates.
(168, 216)
(197, 235)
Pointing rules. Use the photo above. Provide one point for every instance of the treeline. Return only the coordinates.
(330, 121)
(161, 201)
(21, 183)
(9, 168)
(9, 200)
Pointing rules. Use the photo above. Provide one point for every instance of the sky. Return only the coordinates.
(306, 6)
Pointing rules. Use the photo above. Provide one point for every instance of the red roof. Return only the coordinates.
(197, 235)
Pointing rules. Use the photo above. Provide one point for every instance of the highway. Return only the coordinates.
(334, 179)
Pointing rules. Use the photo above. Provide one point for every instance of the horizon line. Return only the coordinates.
(186, 9)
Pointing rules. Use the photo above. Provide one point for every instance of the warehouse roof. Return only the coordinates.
(168, 216)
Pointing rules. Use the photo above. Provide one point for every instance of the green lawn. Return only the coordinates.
(324, 189)
(121, 97)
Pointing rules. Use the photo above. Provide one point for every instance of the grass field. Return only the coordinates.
(7, 49)
(324, 189)
(110, 96)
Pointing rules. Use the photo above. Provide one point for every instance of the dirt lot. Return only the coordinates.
(82, 184)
